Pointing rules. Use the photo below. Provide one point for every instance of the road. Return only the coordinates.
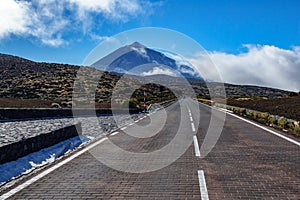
(246, 163)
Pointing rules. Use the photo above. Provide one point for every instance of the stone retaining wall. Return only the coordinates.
(24, 147)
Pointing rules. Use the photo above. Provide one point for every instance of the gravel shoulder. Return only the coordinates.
(11, 132)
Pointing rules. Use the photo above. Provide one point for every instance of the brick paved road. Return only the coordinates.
(249, 163)
(246, 163)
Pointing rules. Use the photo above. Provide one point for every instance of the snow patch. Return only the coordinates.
(27, 164)
(142, 51)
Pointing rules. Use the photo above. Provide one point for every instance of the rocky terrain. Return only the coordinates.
(25, 83)
(33, 84)
(21, 78)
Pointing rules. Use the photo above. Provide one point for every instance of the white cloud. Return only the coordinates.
(14, 17)
(179, 59)
(51, 20)
(116, 9)
(261, 65)
(99, 37)
(158, 70)
(39, 18)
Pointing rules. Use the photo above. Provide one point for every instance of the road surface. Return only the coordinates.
(246, 163)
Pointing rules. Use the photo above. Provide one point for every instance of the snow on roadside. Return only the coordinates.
(26, 164)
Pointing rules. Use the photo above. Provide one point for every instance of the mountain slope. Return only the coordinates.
(150, 62)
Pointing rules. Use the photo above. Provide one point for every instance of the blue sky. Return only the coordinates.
(65, 31)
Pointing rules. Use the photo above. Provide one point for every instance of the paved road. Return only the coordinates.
(246, 163)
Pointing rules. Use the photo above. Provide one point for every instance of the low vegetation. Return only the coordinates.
(287, 105)
(281, 123)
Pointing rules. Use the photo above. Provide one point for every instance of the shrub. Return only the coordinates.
(282, 122)
(133, 103)
(242, 111)
(236, 110)
(265, 116)
(272, 120)
(297, 130)
(291, 125)
(229, 108)
(251, 113)
(255, 114)
(258, 115)
(261, 117)
(239, 111)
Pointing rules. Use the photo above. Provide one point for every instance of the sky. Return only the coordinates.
(251, 42)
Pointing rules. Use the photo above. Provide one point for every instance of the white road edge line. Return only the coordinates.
(202, 185)
(114, 133)
(47, 171)
(266, 129)
(196, 146)
(123, 128)
(257, 125)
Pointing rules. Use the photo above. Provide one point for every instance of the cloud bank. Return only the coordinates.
(262, 65)
(158, 70)
(51, 20)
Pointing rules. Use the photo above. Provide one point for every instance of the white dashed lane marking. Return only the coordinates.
(196, 146)
(201, 177)
(191, 118)
(193, 126)
(202, 184)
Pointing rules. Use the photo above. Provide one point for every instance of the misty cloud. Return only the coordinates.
(262, 65)
(161, 71)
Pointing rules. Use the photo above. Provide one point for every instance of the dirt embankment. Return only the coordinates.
(24, 103)
(36, 103)
(286, 106)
